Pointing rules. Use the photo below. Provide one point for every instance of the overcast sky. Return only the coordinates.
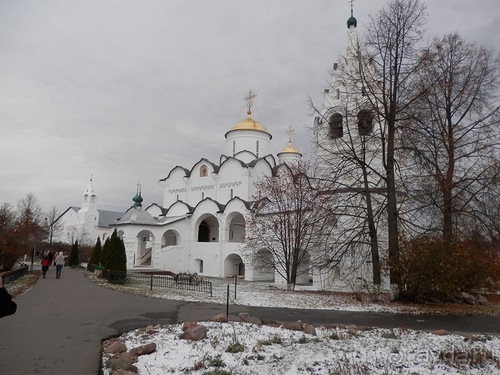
(125, 90)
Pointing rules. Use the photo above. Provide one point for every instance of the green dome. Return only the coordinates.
(352, 22)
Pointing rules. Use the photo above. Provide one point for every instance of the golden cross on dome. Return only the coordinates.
(249, 98)
(290, 131)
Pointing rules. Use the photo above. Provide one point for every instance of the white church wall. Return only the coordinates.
(261, 169)
(202, 183)
(256, 142)
(230, 180)
(175, 187)
(178, 209)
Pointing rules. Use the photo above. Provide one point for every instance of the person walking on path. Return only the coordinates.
(59, 264)
(45, 265)
(7, 306)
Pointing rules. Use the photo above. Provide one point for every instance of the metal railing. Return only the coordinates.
(192, 283)
(10, 276)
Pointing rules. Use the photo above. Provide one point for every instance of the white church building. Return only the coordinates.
(201, 225)
(85, 223)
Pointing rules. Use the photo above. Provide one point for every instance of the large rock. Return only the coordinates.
(120, 364)
(116, 347)
(143, 349)
(249, 319)
(195, 332)
(293, 326)
(440, 332)
(124, 372)
(482, 300)
(221, 318)
(310, 329)
(468, 298)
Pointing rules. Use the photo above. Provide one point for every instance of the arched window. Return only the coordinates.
(257, 148)
(335, 123)
(365, 122)
(203, 171)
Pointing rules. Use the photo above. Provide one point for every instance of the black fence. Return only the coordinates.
(190, 282)
(10, 276)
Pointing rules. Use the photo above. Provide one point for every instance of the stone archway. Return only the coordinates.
(208, 229)
(169, 238)
(237, 228)
(234, 266)
(144, 252)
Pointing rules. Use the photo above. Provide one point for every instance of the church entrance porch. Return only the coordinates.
(144, 251)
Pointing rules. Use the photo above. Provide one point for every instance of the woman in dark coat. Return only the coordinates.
(7, 306)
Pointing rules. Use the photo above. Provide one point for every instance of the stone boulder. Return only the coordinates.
(194, 331)
(120, 364)
(114, 346)
(143, 349)
(221, 318)
(249, 319)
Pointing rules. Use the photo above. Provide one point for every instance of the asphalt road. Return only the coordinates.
(60, 323)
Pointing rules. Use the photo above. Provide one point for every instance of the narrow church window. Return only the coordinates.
(335, 123)
(338, 94)
(177, 196)
(234, 148)
(203, 171)
(327, 91)
(365, 122)
(335, 66)
(257, 148)
(202, 195)
(200, 270)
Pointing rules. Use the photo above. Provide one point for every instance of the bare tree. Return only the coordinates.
(55, 227)
(455, 136)
(29, 222)
(290, 226)
(388, 60)
(350, 167)
(9, 249)
(375, 80)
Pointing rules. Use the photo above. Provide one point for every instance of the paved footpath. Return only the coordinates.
(60, 324)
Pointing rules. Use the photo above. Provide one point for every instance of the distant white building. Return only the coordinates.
(86, 223)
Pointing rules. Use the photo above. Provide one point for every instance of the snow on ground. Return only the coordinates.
(273, 295)
(274, 350)
(243, 349)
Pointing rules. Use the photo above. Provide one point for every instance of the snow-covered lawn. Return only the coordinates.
(244, 348)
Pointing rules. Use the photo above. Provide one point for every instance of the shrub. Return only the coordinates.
(116, 259)
(430, 270)
(74, 256)
(96, 253)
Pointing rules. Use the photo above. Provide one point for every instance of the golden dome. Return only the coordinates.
(249, 124)
(290, 148)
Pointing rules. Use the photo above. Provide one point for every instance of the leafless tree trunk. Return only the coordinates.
(388, 60)
(55, 228)
(349, 169)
